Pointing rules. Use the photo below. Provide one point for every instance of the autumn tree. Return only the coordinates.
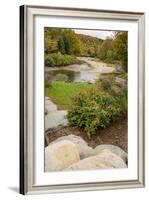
(120, 46)
(64, 40)
(50, 45)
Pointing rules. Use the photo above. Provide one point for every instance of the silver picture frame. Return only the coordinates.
(27, 14)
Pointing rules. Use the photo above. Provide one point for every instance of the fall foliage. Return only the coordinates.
(66, 41)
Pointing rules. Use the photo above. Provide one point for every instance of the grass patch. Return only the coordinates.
(61, 93)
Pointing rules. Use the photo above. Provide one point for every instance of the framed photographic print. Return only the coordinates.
(81, 99)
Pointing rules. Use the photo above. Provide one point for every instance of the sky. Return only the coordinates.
(95, 33)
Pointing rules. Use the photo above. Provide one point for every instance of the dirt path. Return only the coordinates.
(97, 66)
(115, 134)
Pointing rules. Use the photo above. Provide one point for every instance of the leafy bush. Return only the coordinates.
(92, 109)
(61, 77)
(58, 59)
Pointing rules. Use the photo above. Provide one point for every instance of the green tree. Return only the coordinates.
(61, 40)
(104, 48)
(72, 42)
(61, 45)
(119, 48)
(68, 45)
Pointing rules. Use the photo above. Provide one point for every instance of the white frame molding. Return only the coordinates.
(27, 14)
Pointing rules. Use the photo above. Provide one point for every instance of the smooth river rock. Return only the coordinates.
(119, 69)
(49, 105)
(82, 146)
(120, 82)
(56, 118)
(105, 160)
(60, 155)
(114, 149)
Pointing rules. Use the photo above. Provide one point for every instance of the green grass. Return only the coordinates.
(61, 93)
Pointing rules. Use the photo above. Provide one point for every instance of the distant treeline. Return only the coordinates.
(66, 41)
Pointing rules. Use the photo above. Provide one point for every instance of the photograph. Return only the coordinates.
(86, 104)
(81, 99)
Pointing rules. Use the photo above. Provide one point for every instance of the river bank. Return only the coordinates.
(88, 71)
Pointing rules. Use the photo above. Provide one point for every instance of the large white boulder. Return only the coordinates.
(114, 149)
(105, 160)
(82, 146)
(60, 155)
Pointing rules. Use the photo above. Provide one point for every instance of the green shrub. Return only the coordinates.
(58, 59)
(92, 109)
(61, 77)
(49, 61)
